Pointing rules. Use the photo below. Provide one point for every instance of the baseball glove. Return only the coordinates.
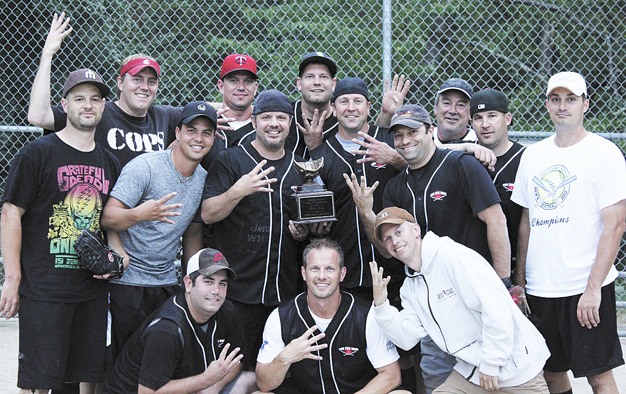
(97, 257)
(519, 298)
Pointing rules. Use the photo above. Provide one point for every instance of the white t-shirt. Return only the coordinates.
(380, 350)
(469, 137)
(564, 190)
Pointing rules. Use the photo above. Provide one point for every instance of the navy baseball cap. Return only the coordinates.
(410, 115)
(85, 76)
(272, 101)
(196, 109)
(208, 261)
(489, 100)
(318, 57)
(350, 85)
(457, 84)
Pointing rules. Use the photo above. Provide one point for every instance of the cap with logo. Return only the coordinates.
(132, 67)
(489, 100)
(272, 101)
(457, 84)
(208, 261)
(196, 109)
(350, 85)
(238, 62)
(391, 215)
(318, 57)
(572, 81)
(85, 76)
(410, 115)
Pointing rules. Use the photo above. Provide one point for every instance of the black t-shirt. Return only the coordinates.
(295, 141)
(255, 236)
(504, 178)
(445, 196)
(243, 134)
(62, 191)
(171, 345)
(128, 136)
(348, 230)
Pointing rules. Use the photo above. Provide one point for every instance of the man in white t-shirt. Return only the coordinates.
(572, 187)
(327, 339)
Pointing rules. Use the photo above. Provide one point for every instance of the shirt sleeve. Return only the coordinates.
(18, 191)
(380, 350)
(162, 353)
(132, 182)
(272, 339)
(220, 176)
(477, 184)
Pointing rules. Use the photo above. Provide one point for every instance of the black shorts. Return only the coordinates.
(587, 352)
(61, 342)
(130, 307)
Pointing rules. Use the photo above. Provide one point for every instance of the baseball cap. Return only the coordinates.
(489, 100)
(238, 62)
(270, 101)
(457, 84)
(410, 115)
(572, 81)
(318, 57)
(196, 109)
(350, 85)
(391, 215)
(132, 67)
(208, 261)
(85, 75)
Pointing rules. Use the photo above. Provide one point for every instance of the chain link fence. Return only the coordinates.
(512, 45)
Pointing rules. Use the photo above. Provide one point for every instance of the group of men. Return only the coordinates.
(428, 219)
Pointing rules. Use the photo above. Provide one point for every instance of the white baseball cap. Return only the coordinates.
(572, 81)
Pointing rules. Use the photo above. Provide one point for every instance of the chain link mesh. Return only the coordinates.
(512, 45)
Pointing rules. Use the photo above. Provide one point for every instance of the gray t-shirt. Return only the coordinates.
(152, 245)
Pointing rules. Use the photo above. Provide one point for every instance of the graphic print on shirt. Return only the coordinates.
(118, 139)
(552, 187)
(80, 210)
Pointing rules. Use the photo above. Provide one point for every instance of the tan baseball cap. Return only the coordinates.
(391, 215)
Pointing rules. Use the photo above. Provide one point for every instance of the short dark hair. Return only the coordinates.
(321, 243)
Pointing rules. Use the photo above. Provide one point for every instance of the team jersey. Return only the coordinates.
(348, 230)
(255, 236)
(445, 197)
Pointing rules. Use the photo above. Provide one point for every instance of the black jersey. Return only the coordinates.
(295, 141)
(255, 236)
(445, 197)
(171, 345)
(503, 178)
(348, 230)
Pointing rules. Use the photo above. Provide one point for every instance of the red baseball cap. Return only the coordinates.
(134, 66)
(238, 62)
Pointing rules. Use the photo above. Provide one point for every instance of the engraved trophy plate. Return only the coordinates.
(314, 203)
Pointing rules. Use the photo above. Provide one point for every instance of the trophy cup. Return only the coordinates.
(313, 202)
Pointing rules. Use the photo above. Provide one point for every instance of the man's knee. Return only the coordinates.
(603, 383)
(558, 382)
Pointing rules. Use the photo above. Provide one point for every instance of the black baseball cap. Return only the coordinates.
(350, 85)
(82, 76)
(272, 101)
(318, 57)
(457, 84)
(489, 100)
(196, 109)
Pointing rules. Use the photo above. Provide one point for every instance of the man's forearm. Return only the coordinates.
(523, 236)
(388, 378)
(216, 209)
(269, 376)
(609, 243)
(39, 109)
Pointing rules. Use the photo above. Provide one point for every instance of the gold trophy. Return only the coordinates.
(314, 203)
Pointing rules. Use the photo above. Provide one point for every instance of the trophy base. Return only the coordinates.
(308, 221)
